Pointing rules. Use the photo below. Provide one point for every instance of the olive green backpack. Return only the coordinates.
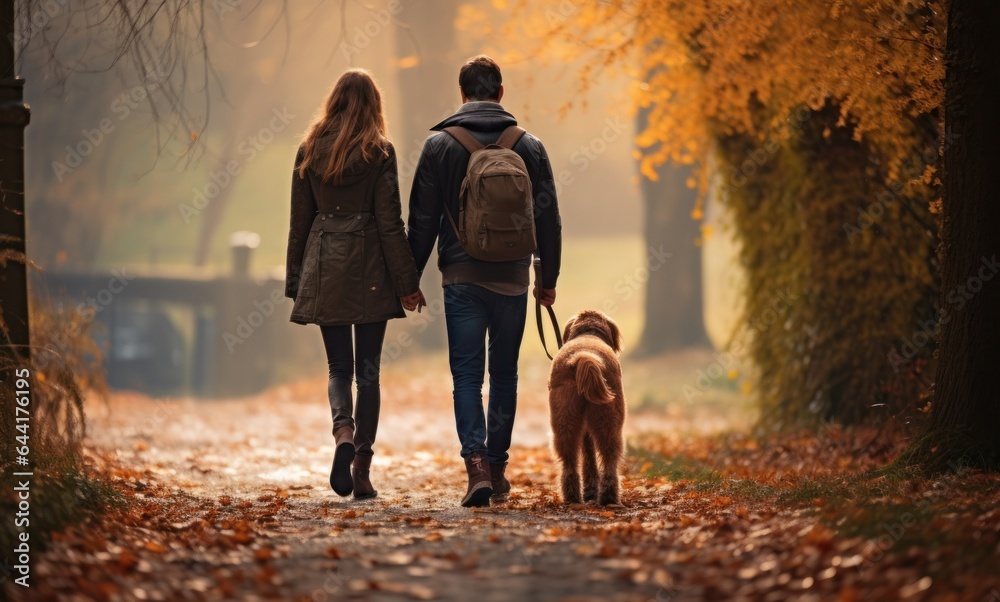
(496, 216)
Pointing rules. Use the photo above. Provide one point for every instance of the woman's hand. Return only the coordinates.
(414, 301)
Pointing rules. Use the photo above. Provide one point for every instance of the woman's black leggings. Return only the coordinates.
(362, 359)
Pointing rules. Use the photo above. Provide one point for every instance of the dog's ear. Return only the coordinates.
(568, 328)
(616, 335)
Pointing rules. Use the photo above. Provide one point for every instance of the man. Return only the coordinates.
(482, 297)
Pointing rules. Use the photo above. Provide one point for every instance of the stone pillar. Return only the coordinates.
(14, 116)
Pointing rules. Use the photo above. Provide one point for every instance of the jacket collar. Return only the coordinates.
(479, 115)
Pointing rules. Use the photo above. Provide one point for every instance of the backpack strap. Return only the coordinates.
(469, 142)
(454, 226)
(464, 138)
(510, 137)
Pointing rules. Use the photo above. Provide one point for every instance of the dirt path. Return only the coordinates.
(265, 459)
(230, 501)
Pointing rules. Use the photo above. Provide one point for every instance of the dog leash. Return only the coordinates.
(537, 263)
(541, 328)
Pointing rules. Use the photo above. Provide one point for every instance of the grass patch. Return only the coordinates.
(896, 513)
(745, 489)
(696, 474)
(863, 486)
(675, 468)
(64, 491)
(792, 491)
(64, 487)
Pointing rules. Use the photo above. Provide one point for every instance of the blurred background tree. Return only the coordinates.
(818, 127)
(133, 67)
(187, 89)
(427, 55)
(815, 128)
(674, 303)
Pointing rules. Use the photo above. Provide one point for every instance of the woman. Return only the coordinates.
(349, 266)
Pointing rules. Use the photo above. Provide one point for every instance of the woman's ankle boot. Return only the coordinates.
(340, 474)
(363, 489)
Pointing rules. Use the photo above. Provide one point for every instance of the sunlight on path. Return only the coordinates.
(282, 436)
(229, 500)
(414, 541)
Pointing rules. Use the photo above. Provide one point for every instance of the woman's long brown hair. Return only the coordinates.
(351, 118)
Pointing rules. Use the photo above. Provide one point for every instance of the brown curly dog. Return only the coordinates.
(587, 407)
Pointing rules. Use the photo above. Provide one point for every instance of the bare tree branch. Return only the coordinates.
(152, 42)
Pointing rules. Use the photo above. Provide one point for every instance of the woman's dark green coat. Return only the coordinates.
(348, 260)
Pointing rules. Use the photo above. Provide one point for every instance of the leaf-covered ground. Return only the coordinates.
(228, 499)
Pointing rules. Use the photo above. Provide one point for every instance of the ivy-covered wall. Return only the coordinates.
(840, 274)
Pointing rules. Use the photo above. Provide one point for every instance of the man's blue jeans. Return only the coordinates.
(471, 313)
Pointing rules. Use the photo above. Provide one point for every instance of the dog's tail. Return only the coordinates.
(589, 378)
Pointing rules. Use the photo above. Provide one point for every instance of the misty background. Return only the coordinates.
(119, 180)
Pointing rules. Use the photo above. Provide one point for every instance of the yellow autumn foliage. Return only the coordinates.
(818, 125)
(714, 68)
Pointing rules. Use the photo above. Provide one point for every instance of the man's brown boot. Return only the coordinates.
(480, 485)
(340, 474)
(363, 489)
(501, 486)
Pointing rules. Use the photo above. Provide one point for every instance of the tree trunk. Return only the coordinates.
(429, 93)
(673, 304)
(14, 114)
(965, 414)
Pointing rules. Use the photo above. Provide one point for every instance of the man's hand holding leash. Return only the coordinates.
(547, 297)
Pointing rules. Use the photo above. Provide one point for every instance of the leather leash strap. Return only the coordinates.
(537, 264)
(541, 326)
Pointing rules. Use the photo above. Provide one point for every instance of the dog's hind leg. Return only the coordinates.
(590, 477)
(609, 445)
(567, 437)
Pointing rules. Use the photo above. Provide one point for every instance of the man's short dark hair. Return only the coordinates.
(480, 78)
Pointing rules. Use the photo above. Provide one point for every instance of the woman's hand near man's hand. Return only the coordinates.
(414, 301)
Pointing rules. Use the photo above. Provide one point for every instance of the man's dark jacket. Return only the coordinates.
(437, 180)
